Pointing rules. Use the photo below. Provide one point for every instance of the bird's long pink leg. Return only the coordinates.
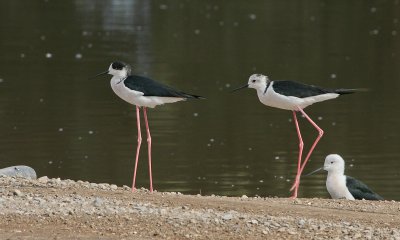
(139, 139)
(301, 145)
(320, 133)
(149, 147)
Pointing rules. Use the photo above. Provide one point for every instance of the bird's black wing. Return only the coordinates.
(360, 191)
(300, 90)
(150, 87)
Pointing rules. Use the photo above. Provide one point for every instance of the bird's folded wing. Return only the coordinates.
(296, 89)
(360, 191)
(150, 87)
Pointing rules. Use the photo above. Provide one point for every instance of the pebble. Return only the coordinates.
(301, 222)
(98, 202)
(43, 179)
(18, 193)
(253, 221)
(227, 216)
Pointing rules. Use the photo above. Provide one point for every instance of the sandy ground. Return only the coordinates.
(65, 209)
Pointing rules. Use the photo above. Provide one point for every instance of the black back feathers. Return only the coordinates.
(150, 87)
(300, 90)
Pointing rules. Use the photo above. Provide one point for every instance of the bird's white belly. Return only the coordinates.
(137, 98)
(273, 99)
(336, 186)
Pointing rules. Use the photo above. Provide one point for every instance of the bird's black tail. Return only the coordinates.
(348, 91)
(193, 96)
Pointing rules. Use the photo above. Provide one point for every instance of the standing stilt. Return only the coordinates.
(142, 92)
(293, 96)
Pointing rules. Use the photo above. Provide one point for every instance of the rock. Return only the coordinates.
(43, 179)
(113, 187)
(254, 221)
(298, 201)
(19, 171)
(193, 221)
(301, 222)
(97, 202)
(18, 193)
(282, 229)
(227, 216)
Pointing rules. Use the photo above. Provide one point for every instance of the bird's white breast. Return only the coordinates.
(336, 186)
(136, 97)
(276, 100)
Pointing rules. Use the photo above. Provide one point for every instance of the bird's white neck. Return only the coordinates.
(261, 88)
(335, 174)
(337, 171)
(115, 80)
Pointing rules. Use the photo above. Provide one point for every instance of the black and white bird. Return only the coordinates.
(341, 186)
(293, 96)
(142, 92)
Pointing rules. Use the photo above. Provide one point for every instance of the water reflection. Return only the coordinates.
(62, 124)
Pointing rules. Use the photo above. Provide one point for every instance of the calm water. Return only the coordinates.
(56, 120)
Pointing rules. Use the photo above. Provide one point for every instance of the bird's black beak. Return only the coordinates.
(106, 72)
(245, 86)
(317, 170)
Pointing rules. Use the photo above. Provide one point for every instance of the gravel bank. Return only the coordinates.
(65, 209)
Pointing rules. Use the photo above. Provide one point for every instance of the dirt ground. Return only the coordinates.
(65, 209)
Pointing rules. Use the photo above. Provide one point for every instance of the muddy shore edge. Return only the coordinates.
(66, 209)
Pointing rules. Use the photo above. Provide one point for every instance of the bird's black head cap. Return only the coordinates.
(117, 65)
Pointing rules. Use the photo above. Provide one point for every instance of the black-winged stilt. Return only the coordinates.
(142, 92)
(341, 186)
(294, 96)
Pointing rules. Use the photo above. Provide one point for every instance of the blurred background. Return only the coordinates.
(56, 120)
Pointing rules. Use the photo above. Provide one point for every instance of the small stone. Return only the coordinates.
(18, 193)
(297, 201)
(227, 217)
(244, 197)
(113, 187)
(97, 202)
(43, 179)
(253, 221)
(193, 221)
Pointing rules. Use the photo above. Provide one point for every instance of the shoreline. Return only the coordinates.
(66, 209)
